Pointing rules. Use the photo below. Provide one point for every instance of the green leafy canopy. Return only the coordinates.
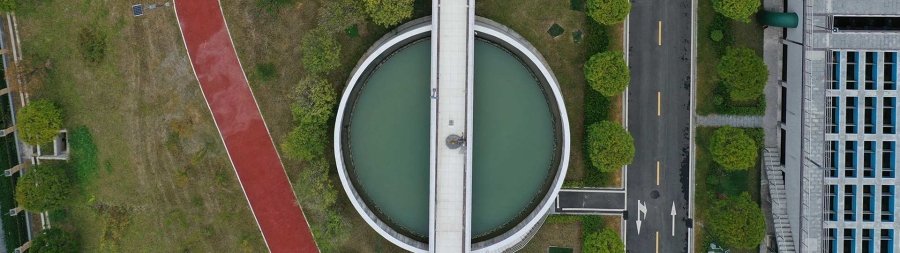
(43, 188)
(608, 12)
(738, 222)
(607, 241)
(388, 12)
(607, 73)
(739, 10)
(733, 148)
(39, 122)
(321, 52)
(743, 73)
(610, 146)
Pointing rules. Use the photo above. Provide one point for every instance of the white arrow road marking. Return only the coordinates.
(673, 218)
(642, 208)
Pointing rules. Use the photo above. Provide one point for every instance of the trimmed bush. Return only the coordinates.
(738, 222)
(39, 122)
(716, 35)
(610, 146)
(733, 148)
(608, 12)
(607, 73)
(743, 73)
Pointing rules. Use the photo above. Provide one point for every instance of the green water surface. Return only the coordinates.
(513, 142)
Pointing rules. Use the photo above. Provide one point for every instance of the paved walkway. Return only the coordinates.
(590, 201)
(730, 120)
(241, 127)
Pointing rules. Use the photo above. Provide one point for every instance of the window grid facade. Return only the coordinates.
(860, 151)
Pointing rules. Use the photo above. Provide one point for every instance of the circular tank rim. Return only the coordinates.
(409, 31)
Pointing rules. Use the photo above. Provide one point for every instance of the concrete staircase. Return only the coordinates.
(773, 167)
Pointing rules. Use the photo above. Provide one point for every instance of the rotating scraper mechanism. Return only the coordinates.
(138, 9)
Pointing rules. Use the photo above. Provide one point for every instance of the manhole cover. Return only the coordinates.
(654, 194)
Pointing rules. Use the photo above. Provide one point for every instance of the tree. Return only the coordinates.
(43, 188)
(607, 73)
(388, 12)
(320, 51)
(54, 240)
(314, 100)
(739, 10)
(8, 5)
(39, 122)
(608, 12)
(609, 145)
(607, 241)
(317, 195)
(737, 222)
(733, 148)
(306, 141)
(743, 73)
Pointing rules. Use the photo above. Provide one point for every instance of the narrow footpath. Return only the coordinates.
(241, 126)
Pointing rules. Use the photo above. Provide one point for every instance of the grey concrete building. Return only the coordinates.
(832, 177)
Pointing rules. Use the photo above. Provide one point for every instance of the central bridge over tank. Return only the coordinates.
(451, 125)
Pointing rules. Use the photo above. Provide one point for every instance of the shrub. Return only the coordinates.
(608, 12)
(265, 72)
(723, 24)
(337, 14)
(314, 100)
(739, 10)
(607, 73)
(607, 241)
(610, 146)
(39, 122)
(43, 188)
(388, 12)
(306, 141)
(738, 222)
(743, 73)
(54, 240)
(733, 149)
(716, 35)
(92, 45)
(317, 194)
(320, 51)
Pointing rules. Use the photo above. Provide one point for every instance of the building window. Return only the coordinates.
(850, 159)
(868, 167)
(831, 241)
(849, 240)
(834, 79)
(852, 103)
(890, 70)
(887, 241)
(889, 116)
(849, 203)
(888, 156)
(870, 70)
(852, 74)
(868, 243)
(869, 115)
(832, 116)
(831, 202)
(887, 203)
(831, 161)
(868, 197)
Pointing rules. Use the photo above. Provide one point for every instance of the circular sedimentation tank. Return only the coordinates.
(519, 151)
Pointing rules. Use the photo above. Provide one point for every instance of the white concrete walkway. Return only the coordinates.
(452, 176)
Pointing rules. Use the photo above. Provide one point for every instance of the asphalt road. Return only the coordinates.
(658, 118)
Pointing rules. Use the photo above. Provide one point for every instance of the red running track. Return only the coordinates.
(242, 128)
